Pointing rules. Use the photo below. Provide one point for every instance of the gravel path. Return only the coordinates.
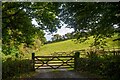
(63, 73)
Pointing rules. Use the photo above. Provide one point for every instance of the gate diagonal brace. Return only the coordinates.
(63, 62)
(69, 60)
(53, 59)
(41, 61)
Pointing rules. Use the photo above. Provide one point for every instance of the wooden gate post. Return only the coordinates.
(33, 61)
(76, 58)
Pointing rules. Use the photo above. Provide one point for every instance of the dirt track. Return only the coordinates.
(64, 74)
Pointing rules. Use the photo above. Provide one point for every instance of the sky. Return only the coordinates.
(63, 30)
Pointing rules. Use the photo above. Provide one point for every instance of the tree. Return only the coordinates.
(68, 35)
(97, 21)
(93, 19)
(56, 37)
(17, 27)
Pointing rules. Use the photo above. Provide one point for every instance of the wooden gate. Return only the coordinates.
(55, 62)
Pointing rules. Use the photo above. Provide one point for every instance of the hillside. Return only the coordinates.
(70, 45)
(63, 46)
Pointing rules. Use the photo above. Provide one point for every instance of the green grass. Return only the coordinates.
(70, 45)
(63, 46)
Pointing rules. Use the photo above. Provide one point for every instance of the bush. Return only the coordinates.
(11, 68)
(107, 66)
(112, 67)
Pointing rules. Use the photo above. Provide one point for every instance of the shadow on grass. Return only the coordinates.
(11, 68)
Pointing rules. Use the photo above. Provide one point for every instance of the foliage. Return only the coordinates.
(96, 19)
(87, 20)
(11, 68)
(107, 65)
(68, 35)
(56, 37)
(17, 27)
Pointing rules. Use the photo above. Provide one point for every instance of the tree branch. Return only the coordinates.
(12, 14)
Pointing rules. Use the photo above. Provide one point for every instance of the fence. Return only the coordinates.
(60, 61)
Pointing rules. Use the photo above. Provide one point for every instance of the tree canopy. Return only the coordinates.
(17, 24)
(95, 19)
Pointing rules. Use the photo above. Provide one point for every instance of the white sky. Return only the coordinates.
(61, 31)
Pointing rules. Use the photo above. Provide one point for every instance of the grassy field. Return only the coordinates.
(70, 45)
(63, 46)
